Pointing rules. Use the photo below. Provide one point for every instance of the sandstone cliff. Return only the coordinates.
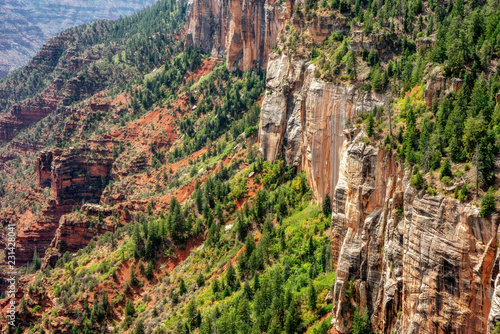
(416, 263)
(243, 32)
(74, 176)
(303, 119)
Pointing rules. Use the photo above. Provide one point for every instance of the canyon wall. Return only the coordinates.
(74, 176)
(29, 24)
(242, 32)
(303, 120)
(416, 263)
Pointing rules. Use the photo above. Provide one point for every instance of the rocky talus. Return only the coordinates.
(416, 263)
(303, 120)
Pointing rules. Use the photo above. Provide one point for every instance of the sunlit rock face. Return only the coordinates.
(303, 120)
(419, 263)
(242, 32)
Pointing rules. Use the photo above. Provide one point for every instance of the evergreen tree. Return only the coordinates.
(215, 286)
(206, 325)
(200, 280)
(488, 204)
(139, 328)
(182, 287)
(198, 198)
(133, 279)
(249, 246)
(247, 290)
(36, 262)
(292, 319)
(361, 323)
(486, 159)
(445, 169)
(230, 275)
(327, 205)
(129, 309)
(370, 126)
(311, 296)
(149, 270)
(274, 326)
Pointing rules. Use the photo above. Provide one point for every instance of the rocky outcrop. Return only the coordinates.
(76, 175)
(28, 112)
(436, 84)
(380, 42)
(243, 32)
(40, 233)
(303, 119)
(76, 230)
(416, 263)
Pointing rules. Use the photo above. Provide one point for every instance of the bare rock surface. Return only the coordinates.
(303, 120)
(419, 263)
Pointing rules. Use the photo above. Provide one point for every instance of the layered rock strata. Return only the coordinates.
(303, 119)
(75, 176)
(416, 263)
(242, 32)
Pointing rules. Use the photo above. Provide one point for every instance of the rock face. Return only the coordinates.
(76, 230)
(40, 234)
(303, 119)
(243, 32)
(75, 176)
(416, 263)
(436, 84)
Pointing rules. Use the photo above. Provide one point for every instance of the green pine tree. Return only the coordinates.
(327, 205)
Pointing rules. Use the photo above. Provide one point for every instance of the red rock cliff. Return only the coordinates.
(243, 32)
(303, 119)
(419, 263)
(75, 176)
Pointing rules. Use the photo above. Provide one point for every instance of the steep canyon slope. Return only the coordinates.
(27, 25)
(416, 262)
(369, 109)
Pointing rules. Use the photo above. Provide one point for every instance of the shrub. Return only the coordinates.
(464, 191)
(488, 204)
(250, 130)
(445, 170)
(35, 309)
(350, 292)
(446, 180)
(417, 181)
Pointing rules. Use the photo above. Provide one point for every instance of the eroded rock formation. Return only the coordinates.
(243, 32)
(303, 119)
(416, 263)
(74, 176)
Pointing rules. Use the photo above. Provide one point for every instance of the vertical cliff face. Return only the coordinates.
(303, 119)
(417, 263)
(243, 32)
(74, 176)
